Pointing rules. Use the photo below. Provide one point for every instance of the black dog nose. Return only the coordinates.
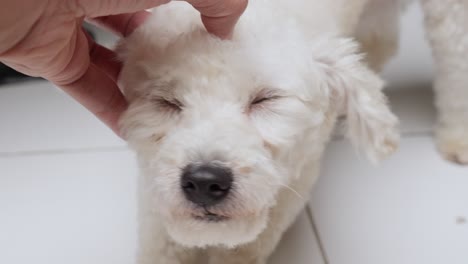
(206, 185)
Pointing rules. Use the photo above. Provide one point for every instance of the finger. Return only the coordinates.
(222, 27)
(220, 17)
(91, 86)
(104, 58)
(96, 91)
(123, 24)
(93, 8)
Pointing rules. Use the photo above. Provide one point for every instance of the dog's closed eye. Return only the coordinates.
(260, 100)
(263, 97)
(168, 104)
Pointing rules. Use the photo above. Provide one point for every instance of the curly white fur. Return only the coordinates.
(191, 96)
(446, 26)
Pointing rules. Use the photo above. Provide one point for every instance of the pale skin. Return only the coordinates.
(45, 38)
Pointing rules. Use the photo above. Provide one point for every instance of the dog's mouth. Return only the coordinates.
(208, 216)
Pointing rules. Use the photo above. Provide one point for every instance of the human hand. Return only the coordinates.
(46, 39)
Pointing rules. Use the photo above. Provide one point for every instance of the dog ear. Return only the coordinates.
(357, 91)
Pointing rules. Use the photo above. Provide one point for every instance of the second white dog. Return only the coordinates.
(376, 25)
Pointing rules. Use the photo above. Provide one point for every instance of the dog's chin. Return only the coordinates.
(216, 230)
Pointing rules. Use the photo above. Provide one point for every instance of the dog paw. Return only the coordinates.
(452, 143)
(387, 144)
(380, 138)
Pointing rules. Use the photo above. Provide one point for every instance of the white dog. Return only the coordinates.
(375, 23)
(229, 134)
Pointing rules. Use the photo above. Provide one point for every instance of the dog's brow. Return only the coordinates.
(164, 90)
(267, 92)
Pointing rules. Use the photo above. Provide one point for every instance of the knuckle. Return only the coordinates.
(241, 5)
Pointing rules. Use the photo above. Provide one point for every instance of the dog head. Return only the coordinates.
(220, 127)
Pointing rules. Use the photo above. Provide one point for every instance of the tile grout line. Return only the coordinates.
(122, 148)
(414, 134)
(29, 153)
(410, 134)
(323, 253)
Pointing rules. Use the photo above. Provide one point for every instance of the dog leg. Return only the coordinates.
(378, 31)
(290, 203)
(348, 13)
(446, 25)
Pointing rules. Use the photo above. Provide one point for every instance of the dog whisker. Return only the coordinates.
(293, 191)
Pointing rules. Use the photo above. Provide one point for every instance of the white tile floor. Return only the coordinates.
(67, 185)
(67, 208)
(412, 209)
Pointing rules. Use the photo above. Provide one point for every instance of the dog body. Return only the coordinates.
(446, 26)
(375, 24)
(229, 134)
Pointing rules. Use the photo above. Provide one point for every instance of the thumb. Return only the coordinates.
(97, 8)
(220, 17)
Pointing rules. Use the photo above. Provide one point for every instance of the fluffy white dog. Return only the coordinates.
(375, 23)
(229, 134)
